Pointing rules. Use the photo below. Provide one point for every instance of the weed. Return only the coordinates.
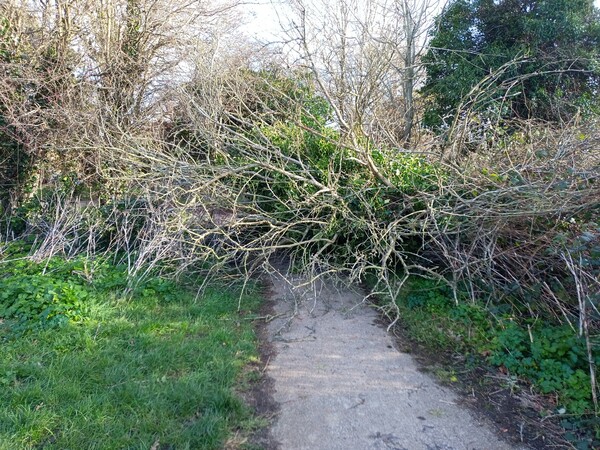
(551, 357)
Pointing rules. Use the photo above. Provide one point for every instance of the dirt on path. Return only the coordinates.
(340, 383)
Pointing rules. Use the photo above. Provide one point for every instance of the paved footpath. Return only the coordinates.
(341, 384)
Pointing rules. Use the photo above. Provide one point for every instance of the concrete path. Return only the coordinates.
(341, 384)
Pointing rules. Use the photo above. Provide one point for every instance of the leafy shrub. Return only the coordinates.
(553, 358)
(41, 301)
(356, 200)
(409, 173)
(162, 288)
(51, 293)
(43, 295)
(464, 326)
(58, 291)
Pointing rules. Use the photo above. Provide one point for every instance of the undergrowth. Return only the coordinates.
(548, 356)
(84, 366)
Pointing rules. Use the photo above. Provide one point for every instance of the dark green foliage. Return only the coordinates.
(554, 46)
(451, 72)
(355, 192)
(55, 292)
(37, 74)
(38, 300)
(15, 165)
(583, 432)
(551, 357)
(51, 293)
(463, 327)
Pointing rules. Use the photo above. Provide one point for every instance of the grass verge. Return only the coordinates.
(155, 370)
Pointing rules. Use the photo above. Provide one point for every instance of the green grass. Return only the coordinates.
(158, 369)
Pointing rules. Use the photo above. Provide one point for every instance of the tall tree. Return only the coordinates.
(365, 58)
(539, 58)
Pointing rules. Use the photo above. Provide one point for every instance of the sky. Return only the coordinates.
(263, 22)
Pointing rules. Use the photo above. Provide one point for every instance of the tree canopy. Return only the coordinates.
(538, 58)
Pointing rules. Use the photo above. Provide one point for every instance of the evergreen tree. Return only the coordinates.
(546, 54)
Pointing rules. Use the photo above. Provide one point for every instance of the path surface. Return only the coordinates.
(341, 384)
